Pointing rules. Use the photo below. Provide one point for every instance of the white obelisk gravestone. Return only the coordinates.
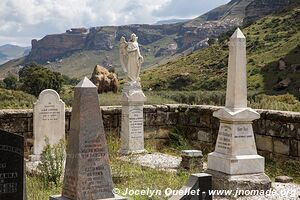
(235, 161)
(48, 121)
(87, 172)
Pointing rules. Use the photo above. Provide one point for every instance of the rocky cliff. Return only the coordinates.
(98, 45)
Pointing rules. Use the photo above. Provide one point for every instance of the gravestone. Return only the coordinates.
(132, 125)
(11, 166)
(133, 98)
(87, 172)
(48, 121)
(235, 162)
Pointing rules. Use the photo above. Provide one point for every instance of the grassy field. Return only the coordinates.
(128, 175)
(11, 99)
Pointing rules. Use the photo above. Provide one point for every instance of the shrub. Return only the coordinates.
(10, 82)
(52, 162)
(36, 78)
(286, 102)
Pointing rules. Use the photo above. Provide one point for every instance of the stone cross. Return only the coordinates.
(48, 121)
(87, 172)
(235, 160)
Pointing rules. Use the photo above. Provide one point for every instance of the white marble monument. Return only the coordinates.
(235, 158)
(48, 121)
(133, 98)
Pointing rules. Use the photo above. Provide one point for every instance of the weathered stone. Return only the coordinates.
(14, 125)
(104, 80)
(172, 118)
(283, 179)
(205, 135)
(205, 121)
(298, 148)
(48, 121)
(192, 163)
(281, 146)
(222, 181)
(264, 143)
(259, 127)
(294, 147)
(161, 118)
(87, 172)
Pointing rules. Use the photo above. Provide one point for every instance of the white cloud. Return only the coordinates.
(23, 20)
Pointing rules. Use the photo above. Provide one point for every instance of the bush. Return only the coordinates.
(10, 82)
(36, 78)
(52, 162)
(281, 102)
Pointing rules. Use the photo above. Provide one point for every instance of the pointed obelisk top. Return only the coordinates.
(85, 83)
(238, 34)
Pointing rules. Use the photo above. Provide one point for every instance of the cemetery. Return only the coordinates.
(137, 151)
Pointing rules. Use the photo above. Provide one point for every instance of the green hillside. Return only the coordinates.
(268, 40)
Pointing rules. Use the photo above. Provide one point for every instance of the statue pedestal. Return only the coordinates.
(132, 127)
(235, 163)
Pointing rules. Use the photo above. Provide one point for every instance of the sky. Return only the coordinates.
(24, 20)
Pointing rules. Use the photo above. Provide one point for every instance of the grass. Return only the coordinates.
(134, 177)
(279, 168)
(11, 99)
(125, 175)
(17, 99)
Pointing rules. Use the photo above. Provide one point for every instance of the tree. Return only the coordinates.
(10, 82)
(35, 78)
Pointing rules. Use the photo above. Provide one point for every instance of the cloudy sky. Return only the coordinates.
(23, 20)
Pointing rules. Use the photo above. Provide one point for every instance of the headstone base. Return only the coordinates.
(240, 164)
(59, 197)
(34, 157)
(222, 181)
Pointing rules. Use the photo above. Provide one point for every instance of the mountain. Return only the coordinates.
(171, 21)
(9, 52)
(78, 50)
(273, 52)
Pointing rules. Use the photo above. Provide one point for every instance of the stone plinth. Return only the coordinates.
(235, 162)
(132, 126)
(192, 160)
(48, 121)
(87, 172)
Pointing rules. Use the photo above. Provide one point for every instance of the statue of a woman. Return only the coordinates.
(131, 58)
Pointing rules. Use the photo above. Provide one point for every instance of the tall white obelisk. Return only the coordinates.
(235, 161)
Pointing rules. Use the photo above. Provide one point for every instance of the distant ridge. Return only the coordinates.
(9, 52)
(171, 21)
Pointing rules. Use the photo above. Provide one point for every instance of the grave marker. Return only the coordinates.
(48, 121)
(87, 172)
(11, 166)
(235, 163)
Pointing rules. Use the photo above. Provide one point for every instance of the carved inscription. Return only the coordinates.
(224, 138)
(136, 122)
(49, 112)
(243, 132)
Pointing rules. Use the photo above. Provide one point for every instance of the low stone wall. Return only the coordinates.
(277, 133)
